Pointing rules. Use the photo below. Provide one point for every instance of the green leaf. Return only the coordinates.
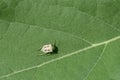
(87, 34)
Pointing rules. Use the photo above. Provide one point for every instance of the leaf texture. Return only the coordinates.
(87, 34)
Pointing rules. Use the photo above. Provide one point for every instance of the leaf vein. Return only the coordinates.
(62, 57)
(99, 58)
(80, 38)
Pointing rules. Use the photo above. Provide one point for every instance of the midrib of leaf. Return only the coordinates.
(65, 56)
(84, 49)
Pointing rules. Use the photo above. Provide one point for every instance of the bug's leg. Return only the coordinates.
(44, 54)
(39, 49)
(40, 54)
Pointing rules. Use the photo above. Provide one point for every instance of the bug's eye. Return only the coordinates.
(45, 50)
(45, 47)
(48, 50)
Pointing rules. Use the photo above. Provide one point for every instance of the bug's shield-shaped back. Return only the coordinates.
(47, 48)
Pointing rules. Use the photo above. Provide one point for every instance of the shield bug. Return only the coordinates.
(49, 48)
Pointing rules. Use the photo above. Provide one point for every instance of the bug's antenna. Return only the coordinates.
(54, 43)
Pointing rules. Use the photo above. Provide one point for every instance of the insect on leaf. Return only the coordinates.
(87, 35)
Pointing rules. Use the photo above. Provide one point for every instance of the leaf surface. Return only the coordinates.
(87, 35)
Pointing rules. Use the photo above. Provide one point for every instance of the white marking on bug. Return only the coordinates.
(47, 48)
